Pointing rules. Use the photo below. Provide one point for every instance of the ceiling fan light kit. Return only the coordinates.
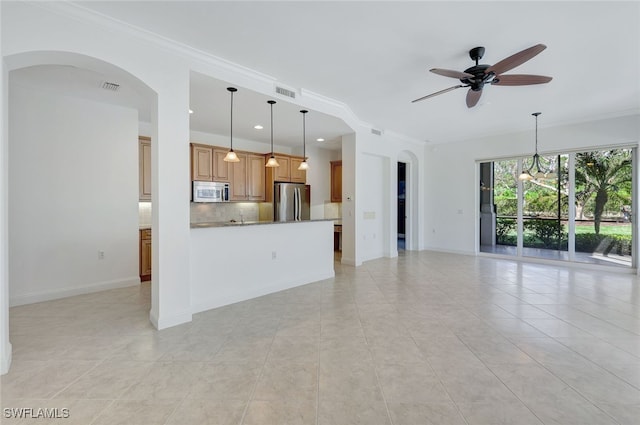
(477, 76)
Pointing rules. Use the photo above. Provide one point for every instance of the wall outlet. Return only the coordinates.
(100, 255)
(273, 255)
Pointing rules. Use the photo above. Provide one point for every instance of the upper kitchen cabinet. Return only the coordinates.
(255, 177)
(221, 169)
(336, 181)
(247, 182)
(144, 168)
(283, 172)
(297, 176)
(201, 162)
(287, 171)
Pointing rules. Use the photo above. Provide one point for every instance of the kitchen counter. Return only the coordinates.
(247, 223)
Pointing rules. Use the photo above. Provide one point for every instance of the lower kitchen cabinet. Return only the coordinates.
(145, 255)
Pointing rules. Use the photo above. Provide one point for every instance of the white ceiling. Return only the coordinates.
(375, 57)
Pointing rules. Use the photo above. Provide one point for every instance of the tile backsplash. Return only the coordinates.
(224, 211)
(333, 210)
(144, 214)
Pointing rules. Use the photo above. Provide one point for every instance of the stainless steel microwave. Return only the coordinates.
(210, 192)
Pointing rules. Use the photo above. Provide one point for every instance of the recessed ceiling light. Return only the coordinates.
(320, 139)
(258, 127)
(191, 111)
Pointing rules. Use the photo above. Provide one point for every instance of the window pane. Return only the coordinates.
(545, 209)
(603, 207)
(498, 207)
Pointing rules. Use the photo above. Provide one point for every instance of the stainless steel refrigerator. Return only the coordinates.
(291, 201)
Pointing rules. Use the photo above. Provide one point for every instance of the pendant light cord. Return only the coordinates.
(231, 124)
(304, 134)
(271, 102)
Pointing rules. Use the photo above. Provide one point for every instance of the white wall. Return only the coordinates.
(451, 178)
(73, 192)
(377, 191)
(238, 144)
(244, 266)
(373, 206)
(319, 178)
(5, 344)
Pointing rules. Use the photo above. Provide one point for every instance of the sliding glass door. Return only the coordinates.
(581, 212)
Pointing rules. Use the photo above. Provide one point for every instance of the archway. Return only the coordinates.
(74, 63)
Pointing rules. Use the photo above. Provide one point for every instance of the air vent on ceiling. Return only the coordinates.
(110, 86)
(376, 132)
(286, 92)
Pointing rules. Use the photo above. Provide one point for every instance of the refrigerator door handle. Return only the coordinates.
(296, 204)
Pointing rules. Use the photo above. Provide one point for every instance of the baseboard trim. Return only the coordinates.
(450, 251)
(169, 321)
(255, 293)
(37, 297)
(350, 262)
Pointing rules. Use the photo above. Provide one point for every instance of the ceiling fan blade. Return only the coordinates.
(437, 93)
(473, 96)
(515, 60)
(519, 80)
(451, 73)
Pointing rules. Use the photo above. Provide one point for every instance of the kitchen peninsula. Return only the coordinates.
(233, 262)
(237, 250)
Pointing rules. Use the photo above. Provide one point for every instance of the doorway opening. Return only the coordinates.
(402, 210)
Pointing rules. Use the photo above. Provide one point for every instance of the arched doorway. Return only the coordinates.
(73, 73)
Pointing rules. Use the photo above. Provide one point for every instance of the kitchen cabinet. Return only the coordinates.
(297, 176)
(247, 181)
(201, 162)
(145, 255)
(255, 177)
(336, 181)
(144, 168)
(221, 169)
(283, 172)
(337, 237)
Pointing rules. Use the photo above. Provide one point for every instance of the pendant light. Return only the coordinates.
(540, 172)
(272, 160)
(304, 165)
(231, 155)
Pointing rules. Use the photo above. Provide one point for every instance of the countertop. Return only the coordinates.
(248, 223)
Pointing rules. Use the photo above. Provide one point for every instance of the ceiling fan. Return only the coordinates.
(478, 75)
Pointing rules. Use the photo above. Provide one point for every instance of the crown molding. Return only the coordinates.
(85, 15)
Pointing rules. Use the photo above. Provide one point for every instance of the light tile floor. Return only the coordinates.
(425, 338)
